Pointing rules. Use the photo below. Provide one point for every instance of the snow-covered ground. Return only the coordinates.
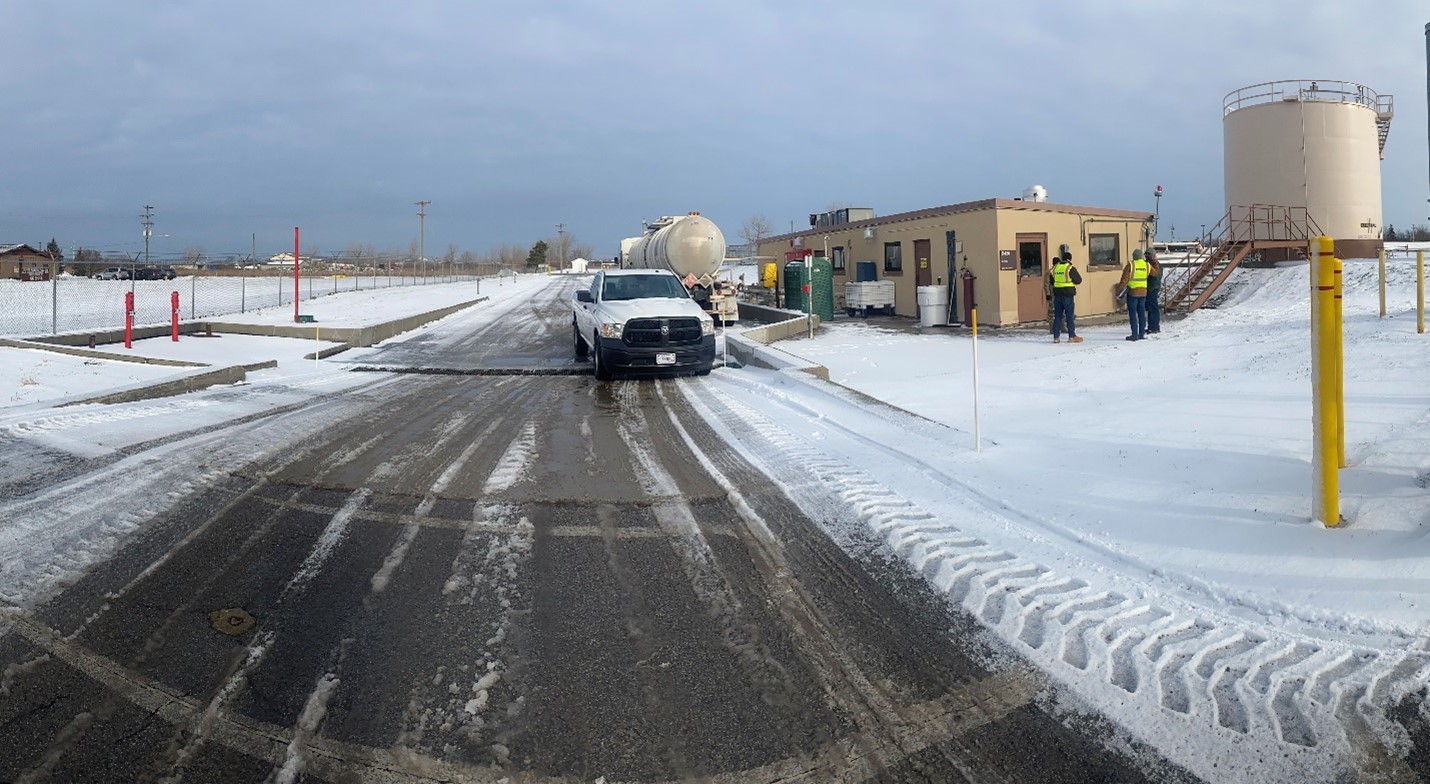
(1137, 520)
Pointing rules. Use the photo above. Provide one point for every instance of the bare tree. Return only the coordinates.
(582, 250)
(754, 232)
(362, 254)
(449, 258)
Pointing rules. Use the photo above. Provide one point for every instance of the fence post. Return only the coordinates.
(1382, 282)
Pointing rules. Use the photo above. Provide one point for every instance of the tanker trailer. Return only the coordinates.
(693, 248)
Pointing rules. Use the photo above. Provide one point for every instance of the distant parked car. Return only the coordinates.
(156, 273)
(113, 273)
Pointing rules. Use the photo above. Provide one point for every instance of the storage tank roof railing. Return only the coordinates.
(1329, 90)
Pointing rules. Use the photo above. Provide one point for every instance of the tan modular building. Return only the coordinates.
(1005, 245)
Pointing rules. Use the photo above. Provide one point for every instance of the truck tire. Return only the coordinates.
(603, 373)
(579, 341)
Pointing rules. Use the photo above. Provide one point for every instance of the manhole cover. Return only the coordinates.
(232, 621)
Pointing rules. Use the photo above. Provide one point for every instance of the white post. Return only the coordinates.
(977, 435)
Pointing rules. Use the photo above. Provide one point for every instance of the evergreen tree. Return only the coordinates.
(537, 256)
(1390, 233)
(54, 250)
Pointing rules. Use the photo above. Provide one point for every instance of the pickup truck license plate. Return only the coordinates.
(665, 358)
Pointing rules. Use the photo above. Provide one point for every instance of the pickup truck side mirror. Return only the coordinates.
(584, 295)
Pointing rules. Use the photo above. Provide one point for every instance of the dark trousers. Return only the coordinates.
(1063, 309)
(1154, 312)
(1137, 315)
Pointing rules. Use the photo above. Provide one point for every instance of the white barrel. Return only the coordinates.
(933, 305)
(691, 245)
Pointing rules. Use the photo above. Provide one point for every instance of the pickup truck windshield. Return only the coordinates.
(642, 287)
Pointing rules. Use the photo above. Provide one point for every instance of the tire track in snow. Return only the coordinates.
(1194, 668)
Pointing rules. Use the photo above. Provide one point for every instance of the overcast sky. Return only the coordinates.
(240, 118)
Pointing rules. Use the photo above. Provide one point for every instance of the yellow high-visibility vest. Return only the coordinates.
(1139, 274)
(1062, 278)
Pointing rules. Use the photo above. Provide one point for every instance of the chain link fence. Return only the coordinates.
(89, 296)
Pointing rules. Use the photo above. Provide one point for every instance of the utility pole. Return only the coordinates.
(422, 236)
(148, 230)
(560, 246)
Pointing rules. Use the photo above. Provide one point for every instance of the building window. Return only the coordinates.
(893, 258)
(838, 260)
(1103, 251)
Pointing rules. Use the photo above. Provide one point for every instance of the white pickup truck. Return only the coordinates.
(641, 322)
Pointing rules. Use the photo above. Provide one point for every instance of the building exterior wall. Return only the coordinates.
(22, 264)
(1079, 230)
(982, 231)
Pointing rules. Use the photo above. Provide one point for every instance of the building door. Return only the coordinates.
(1032, 264)
(924, 265)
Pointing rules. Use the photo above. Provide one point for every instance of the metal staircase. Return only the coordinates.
(1384, 111)
(1243, 233)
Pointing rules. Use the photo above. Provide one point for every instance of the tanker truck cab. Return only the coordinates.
(641, 322)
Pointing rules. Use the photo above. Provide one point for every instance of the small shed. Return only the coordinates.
(22, 262)
(579, 265)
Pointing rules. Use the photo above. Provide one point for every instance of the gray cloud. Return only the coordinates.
(512, 117)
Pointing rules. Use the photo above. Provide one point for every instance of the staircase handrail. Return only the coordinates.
(1241, 225)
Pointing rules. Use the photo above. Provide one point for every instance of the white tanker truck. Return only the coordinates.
(693, 248)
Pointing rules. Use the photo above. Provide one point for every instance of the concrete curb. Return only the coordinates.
(92, 354)
(352, 337)
(751, 347)
(178, 386)
(349, 337)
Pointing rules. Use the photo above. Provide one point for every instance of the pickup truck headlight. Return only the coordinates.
(707, 326)
(612, 329)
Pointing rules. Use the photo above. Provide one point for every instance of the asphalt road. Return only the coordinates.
(521, 576)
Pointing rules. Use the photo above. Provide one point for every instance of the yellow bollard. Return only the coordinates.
(1382, 282)
(1420, 291)
(1324, 460)
(1338, 333)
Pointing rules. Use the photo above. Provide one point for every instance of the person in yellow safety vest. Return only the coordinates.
(1060, 286)
(1134, 286)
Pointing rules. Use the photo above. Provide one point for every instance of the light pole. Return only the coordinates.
(422, 236)
(1157, 216)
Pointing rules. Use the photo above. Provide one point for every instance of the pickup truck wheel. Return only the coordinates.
(579, 341)
(603, 373)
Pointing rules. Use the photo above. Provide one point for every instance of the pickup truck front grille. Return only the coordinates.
(662, 332)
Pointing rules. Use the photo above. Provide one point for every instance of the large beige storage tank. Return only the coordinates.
(1311, 144)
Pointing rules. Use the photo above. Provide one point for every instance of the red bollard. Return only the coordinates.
(174, 315)
(129, 319)
(968, 301)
